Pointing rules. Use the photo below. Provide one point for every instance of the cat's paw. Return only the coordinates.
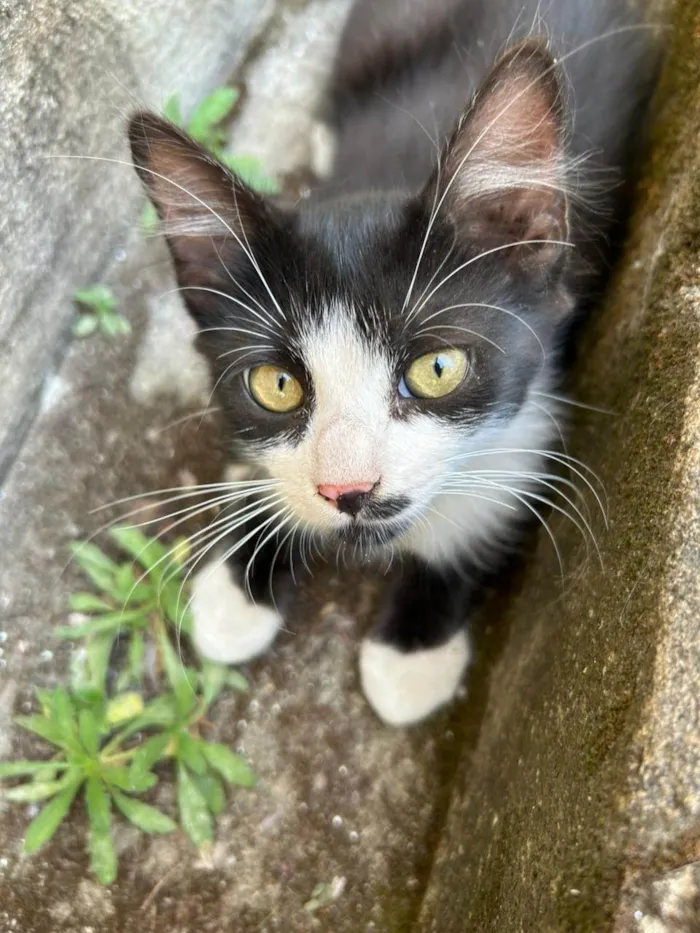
(403, 687)
(228, 627)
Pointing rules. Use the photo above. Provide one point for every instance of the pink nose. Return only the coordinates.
(333, 492)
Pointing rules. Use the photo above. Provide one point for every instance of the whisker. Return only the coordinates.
(481, 304)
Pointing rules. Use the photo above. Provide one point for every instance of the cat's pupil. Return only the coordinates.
(438, 366)
(282, 380)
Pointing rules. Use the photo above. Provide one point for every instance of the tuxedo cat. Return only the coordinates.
(387, 353)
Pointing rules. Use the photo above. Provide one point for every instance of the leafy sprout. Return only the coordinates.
(99, 314)
(205, 126)
(107, 739)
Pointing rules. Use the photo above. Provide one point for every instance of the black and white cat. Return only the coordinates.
(387, 353)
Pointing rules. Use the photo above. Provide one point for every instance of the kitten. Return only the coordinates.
(386, 353)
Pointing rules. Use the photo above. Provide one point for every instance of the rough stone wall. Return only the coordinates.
(577, 808)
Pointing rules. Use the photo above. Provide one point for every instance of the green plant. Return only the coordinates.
(107, 742)
(205, 126)
(99, 314)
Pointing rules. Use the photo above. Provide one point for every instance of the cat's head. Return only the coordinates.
(363, 349)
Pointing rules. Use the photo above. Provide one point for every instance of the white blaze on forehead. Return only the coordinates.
(353, 388)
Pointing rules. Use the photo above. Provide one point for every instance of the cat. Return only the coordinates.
(387, 353)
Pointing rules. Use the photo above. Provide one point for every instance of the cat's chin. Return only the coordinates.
(366, 539)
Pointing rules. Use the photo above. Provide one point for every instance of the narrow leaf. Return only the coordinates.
(212, 790)
(87, 602)
(98, 806)
(41, 725)
(189, 751)
(195, 817)
(149, 819)
(40, 790)
(121, 777)
(99, 651)
(100, 625)
(137, 650)
(103, 858)
(88, 731)
(147, 755)
(11, 769)
(230, 766)
(172, 111)
(213, 679)
(176, 674)
(42, 827)
(236, 680)
(145, 551)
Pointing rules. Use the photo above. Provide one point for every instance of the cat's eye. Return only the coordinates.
(434, 374)
(274, 388)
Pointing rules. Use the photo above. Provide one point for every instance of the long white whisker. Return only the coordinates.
(480, 304)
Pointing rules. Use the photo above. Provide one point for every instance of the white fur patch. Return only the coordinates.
(405, 687)
(227, 626)
(323, 149)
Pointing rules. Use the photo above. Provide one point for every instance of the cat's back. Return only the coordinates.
(407, 68)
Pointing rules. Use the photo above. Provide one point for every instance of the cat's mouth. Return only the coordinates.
(378, 523)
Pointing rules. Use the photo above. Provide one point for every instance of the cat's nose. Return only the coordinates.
(347, 498)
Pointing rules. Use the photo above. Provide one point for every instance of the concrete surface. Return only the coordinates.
(72, 70)
(562, 793)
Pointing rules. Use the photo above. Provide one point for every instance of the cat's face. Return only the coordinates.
(365, 351)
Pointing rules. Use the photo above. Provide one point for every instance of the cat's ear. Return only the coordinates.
(209, 217)
(503, 172)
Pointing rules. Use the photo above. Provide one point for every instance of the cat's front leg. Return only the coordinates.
(414, 660)
(237, 618)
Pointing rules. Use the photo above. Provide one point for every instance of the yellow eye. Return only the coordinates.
(435, 374)
(275, 388)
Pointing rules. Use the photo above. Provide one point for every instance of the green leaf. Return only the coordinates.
(11, 769)
(171, 110)
(111, 622)
(230, 766)
(124, 707)
(147, 755)
(43, 826)
(195, 817)
(147, 818)
(121, 777)
(113, 324)
(88, 731)
(149, 221)
(190, 752)
(176, 674)
(98, 806)
(87, 602)
(236, 680)
(251, 172)
(99, 651)
(85, 325)
(147, 552)
(212, 790)
(41, 725)
(212, 110)
(96, 566)
(40, 790)
(103, 858)
(173, 602)
(213, 679)
(97, 297)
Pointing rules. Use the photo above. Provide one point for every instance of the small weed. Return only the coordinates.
(108, 737)
(205, 126)
(99, 314)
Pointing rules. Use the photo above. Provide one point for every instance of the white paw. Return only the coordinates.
(405, 687)
(323, 146)
(227, 626)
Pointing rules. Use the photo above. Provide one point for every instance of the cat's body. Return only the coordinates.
(387, 353)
